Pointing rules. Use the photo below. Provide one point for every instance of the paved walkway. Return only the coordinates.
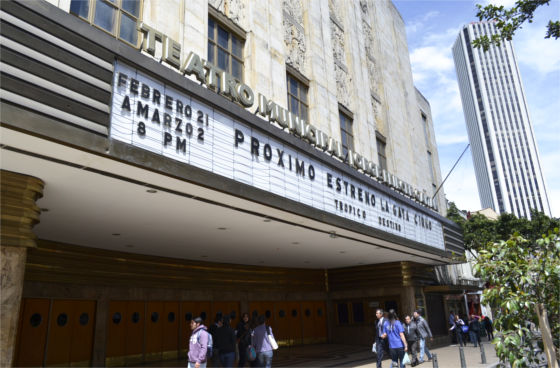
(337, 355)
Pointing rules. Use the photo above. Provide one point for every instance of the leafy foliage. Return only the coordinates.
(510, 20)
(524, 273)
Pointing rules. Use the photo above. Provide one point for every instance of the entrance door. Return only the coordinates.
(294, 319)
(34, 326)
(308, 322)
(188, 312)
(116, 333)
(154, 332)
(320, 313)
(392, 304)
(219, 309)
(255, 309)
(267, 309)
(204, 311)
(135, 318)
(233, 310)
(170, 330)
(282, 332)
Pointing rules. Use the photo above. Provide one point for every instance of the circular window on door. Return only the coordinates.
(233, 315)
(171, 317)
(188, 316)
(320, 312)
(84, 319)
(135, 317)
(255, 314)
(62, 319)
(307, 313)
(35, 320)
(203, 316)
(267, 314)
(219, 314)
(117, 318)
(281, 313)
(155, 317)
(294, 313)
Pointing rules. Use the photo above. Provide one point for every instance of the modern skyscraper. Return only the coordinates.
(504, 147)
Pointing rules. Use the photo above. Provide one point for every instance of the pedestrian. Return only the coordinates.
(225, 342)
(456, 328)
(198, 344)
(393, 331)
(413, 340)
(451, 321)
(212, 331)
(474, 330)
(489, 328)
(424, 331)
(262, 344)
(253, 324)
(381, 343)
(242, 329)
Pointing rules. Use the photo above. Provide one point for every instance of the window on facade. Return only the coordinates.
(297, 98)
(225, 50)
(381, 155)
(347, 133)
(117, 17)
(430, 162)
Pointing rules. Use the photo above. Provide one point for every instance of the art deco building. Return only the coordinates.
(504, 147)
(181, 158)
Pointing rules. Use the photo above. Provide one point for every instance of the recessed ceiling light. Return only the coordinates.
(221, 228)
(306, 262)
(130, 246)
(261, 262)
(204, 256)
(360, 263)
(267, 220)
(151, 191)
(45, 210)
(342, 252)
(116, 234)
(295, 243)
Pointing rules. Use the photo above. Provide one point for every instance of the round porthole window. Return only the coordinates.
(307, 313)
(171, 317)
(255, 314)
(155, 317)
(320, 312)
(117, 318)
(281, 313)
(188, 316)
(219, 314)
(203, 316)
(267, 314)
(294, 313)
(135, 317)
(35, 320)
(84, 319)
(233, 315)
(62, 319)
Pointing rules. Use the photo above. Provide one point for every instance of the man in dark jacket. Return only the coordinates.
(423, 332)
(225, 342)
(212, 331)
(381, 344)
(411, 335)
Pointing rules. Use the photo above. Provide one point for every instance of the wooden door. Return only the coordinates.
(34, 326)
(268, 311)
(219, 309)
(294, 318)
(255, 309)
(60, 332)
(134, 342)
(320, 313)
(170, 330)
(232, 309)
(204, 310)
(18, 336)
(282, 333)
(154, 331)
(308, 322)
(83, 330)
(188, 312)
(116, 333)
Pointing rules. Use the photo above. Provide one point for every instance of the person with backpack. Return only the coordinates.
(457, 329)
(226, 342)
(200, 345)
(393, 331)
(253, 324)
(241, 332)
(262, 343)
(212, 331)
(423, 332)
(489, 328)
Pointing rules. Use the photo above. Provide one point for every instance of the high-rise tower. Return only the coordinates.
(504, 148)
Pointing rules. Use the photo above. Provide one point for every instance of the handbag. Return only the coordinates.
(271, 339)
(374, 348)
(465, 329)
(405, 359)
(251, 353)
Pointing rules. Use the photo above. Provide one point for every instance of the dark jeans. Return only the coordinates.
(397, 355)
(490, 335)
(475, 337)
(382, 347)
(242, 355)
(460, 337)
(215, 359)
(227, 359)
(413, 351)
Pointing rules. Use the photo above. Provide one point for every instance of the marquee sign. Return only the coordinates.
(150, 115)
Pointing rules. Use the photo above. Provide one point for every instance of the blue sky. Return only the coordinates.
(432, 27)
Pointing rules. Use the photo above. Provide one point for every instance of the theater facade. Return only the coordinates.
(162, 160)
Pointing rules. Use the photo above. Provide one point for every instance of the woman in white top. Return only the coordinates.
(457, 330)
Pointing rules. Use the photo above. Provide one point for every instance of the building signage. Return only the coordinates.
(208, 74)
(150, 115)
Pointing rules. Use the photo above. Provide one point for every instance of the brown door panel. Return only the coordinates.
(308, 322)
(294, 318)
(154, 331)
(35, 322)
(188, 312)
(320, 313)
(135, 321)
(82, 333)
(171, 330)
(282, 332)
(232, 309)
(204, 310)
(268, 312)
(60, 332)
(116, 333)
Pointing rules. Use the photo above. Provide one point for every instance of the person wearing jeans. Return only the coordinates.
(262, 344)
(456, 328)
(394, 332)
(474, 328)
(424, 331)
(226, 342)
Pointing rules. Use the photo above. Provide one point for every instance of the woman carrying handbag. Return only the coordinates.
(457, 329)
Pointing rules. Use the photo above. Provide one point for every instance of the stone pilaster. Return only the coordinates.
(18, 214)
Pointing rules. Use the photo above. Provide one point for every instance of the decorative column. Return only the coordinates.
(18, 215)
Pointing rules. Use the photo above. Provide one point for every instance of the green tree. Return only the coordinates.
(524, 273)
(510, 20)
